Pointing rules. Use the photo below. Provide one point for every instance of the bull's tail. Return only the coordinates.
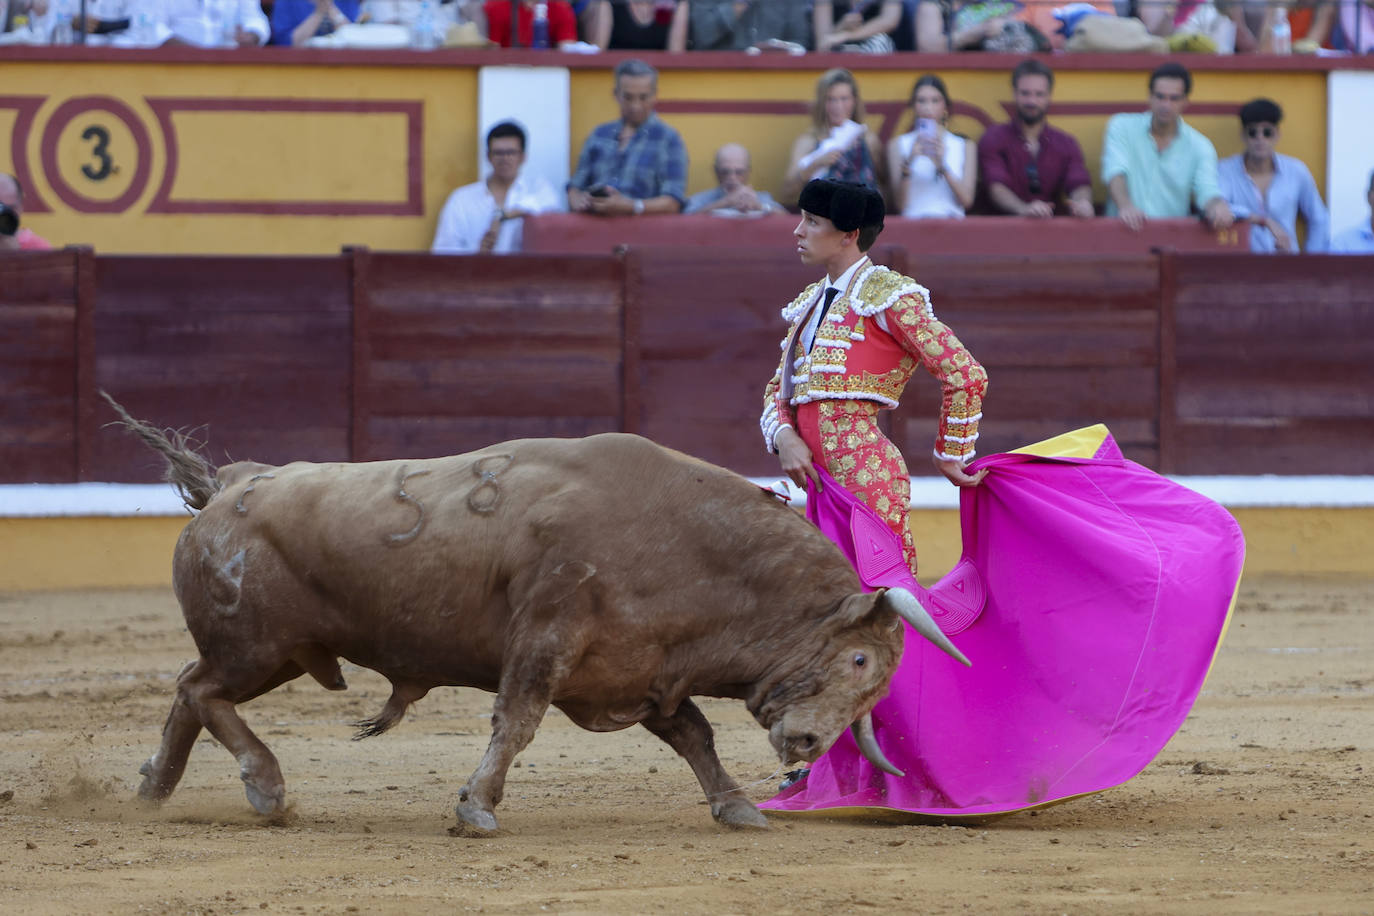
(402, 695)
(188, 471)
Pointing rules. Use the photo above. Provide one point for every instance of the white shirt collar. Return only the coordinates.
(842, 282)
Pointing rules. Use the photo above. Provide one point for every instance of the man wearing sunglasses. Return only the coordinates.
(1030, 167)
(1268, 189)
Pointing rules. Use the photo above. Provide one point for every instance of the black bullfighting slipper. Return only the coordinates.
(792, 778)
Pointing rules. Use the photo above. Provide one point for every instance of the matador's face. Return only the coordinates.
(818, 241)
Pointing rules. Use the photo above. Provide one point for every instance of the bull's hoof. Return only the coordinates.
(265, 801)
(151, 789)
(739, 814)
(475, 820)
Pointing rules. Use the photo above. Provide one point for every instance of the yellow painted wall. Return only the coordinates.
(65, 553)
(322, 157)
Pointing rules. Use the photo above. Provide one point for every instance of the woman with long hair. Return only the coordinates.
(837, 145)
(934, 171)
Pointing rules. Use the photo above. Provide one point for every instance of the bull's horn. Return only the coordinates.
(905, 604)
(868, 745)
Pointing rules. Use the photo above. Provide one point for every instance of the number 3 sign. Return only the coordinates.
(96, 154)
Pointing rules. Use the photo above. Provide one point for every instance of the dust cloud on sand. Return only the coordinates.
(1263, 803)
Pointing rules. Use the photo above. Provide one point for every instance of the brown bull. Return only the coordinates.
(608, 576)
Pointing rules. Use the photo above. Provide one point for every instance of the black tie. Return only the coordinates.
(830, 294)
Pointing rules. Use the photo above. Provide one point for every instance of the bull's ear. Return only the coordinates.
(867, 607)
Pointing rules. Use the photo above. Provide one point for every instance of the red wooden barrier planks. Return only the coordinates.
(257, 348)
(1274, 364)
(38, 330)
(462, 352)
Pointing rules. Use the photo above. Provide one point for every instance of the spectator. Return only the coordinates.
(215, 23)
(1310, 21)
(733, 196)
(562, 22)
(935, 172)
(295, 22)
(1358, 239)
(488, 216)
(733, 25)
(642, 25)
(635, 165)
(981, 25)
(13, 236)
(838, 145)
(865, 26)
(1357, 26)
(406, 12)
(24, 22)
(1267, 189)
(1028, 166)
(1154, 164)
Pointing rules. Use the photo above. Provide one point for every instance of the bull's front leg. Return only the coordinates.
(519, 709)
(688, 733)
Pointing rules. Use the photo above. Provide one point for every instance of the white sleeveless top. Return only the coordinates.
(928, 195)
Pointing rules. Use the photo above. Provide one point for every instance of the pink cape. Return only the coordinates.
(1091, 598)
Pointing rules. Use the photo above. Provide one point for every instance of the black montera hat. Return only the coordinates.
(848, 205)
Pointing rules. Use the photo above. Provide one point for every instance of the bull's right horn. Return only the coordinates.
(868, 745)
(910, 610)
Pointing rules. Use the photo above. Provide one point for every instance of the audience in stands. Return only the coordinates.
(488, 216)
(24, 22)
(1357, 26)
(1008, 26)
(215, 23)
(1268, 189)
(862, 26)
(733, 25)
(13, 235)
(733, 195)
(1358, 239)
(1154, 164)
(633, 165)
(642, 25)
(1029, 168)
(838, 145)
(295, 22)
(934, 171)
(562, 22)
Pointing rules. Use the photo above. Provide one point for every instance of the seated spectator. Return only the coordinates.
(1267, 189)
(864, 26)
(225, 24)
(13, 235)
(642, 25)
(935, 172)
(733, 25)
(733, 196)
(1310, 21)
(562, 22)
(1154, 164)
(25, 22)
(1357, 26)
(295, 22)
(1358, 239)
(116, 23)
(633, 165)
(405, 12)
(838, 145)
(1008, 26)
(488, 216)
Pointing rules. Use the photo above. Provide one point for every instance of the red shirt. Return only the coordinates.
(562, 22)
(28, 241)
(1004, 159)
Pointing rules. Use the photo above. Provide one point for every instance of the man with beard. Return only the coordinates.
(1030, 168)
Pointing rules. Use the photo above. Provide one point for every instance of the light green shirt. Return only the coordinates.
(1161, 184)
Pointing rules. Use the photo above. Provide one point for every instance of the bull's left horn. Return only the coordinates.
(905, 604)
(868, 745)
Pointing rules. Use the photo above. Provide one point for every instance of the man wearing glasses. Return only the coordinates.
(487, 216)
(1030, 168)
(1268, 189)
(733, 196)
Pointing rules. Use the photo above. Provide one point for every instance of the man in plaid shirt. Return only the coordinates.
(634, 165)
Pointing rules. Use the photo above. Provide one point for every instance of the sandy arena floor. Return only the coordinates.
(1264, 803)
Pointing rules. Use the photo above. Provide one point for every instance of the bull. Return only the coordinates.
(608, 576)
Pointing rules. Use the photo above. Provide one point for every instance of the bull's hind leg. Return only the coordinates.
(162, 771)
(688, 733)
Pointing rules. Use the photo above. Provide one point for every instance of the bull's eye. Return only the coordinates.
(860, 660)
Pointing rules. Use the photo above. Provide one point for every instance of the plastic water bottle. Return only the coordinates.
(424, 35)
(62, 32)
(540, 39)
(1281, 33)
(144, 32)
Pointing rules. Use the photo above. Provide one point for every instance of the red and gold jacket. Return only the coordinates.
(854, 357)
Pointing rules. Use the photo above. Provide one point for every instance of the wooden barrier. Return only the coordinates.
(577, 232)
(455, 353)
(39, 292)
(1199, 363)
